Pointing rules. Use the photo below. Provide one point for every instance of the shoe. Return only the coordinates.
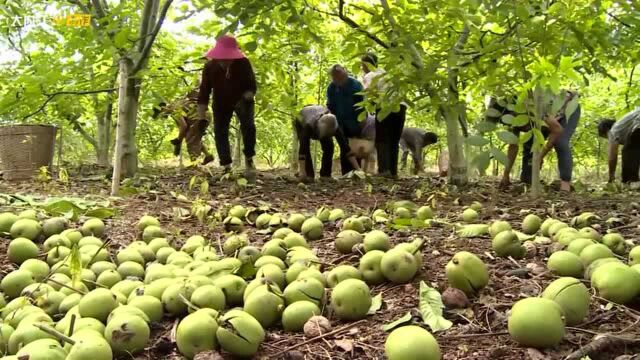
(250, 171)
(207, 159)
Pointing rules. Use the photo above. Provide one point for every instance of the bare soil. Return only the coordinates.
(478, 332)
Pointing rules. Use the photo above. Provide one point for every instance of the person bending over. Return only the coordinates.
(315, 122)
(626, 133)
(414, 141)
(229, 75)
(190, 129)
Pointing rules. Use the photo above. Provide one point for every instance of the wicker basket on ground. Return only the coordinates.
(24, 149)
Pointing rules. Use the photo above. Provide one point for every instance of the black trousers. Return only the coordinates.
(388, 133)
(631, 158)
(244, 109)
(326, 162)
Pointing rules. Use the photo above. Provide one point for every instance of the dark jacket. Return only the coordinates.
(341, 101)
(227, 86)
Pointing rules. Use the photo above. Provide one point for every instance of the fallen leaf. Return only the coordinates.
(401, 321)
(376, 304)
(431, 308)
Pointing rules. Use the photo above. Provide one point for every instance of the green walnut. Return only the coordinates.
(370, 267)
(577, 245)
(297, 314)
(411, 343)
(346, 240)
(506, 244)
(536, 322)
(127, 334)
(615, 242)
(531, 224)
(26, 228)
(341, 273)
(351, 299)
(196, 333)
(470, 215)
(572, 296)
(239, 333)
(312, 229)
(497, 227)
(398, 266)
(336, 214)
(593, 252)
(634, 256)
(295, 222)
(467, 272)
(376, 240)
(565, 263)
(353, 223)
(424, 213)
(616, 282)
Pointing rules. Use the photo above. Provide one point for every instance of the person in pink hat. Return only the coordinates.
(229, 75)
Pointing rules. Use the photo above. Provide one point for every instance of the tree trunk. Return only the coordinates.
(538, 98)
(457, 163)
(103, 135)
(126, 152)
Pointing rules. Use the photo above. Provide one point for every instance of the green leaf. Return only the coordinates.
(247, 270)
(101, 213)
(473, 230)
(493, 113)
(507, 137)
(499, 155)
(431, 308)
(63, 207)
(75, 265)
(401, 321)
(242, 182)
(476, 140)
(486, 126)
(376, 304)
(482, 160)
(120, 39)
(251, 46)
(520, 120)
(507, 119)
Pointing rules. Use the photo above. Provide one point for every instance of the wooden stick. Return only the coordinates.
(337, 331)
(469, 336)
(55, 333)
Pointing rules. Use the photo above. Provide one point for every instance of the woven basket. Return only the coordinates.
(24, 149)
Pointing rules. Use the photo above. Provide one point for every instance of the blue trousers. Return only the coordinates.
(562, 147)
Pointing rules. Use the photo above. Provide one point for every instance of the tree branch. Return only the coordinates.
(85, 135)
(626, 93)
(144, 54)
(52, 96)
(99, 10)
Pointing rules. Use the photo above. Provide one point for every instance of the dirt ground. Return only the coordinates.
(478, 332)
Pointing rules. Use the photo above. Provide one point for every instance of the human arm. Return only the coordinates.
(248, 79)
(555, 132)
(512, 154)
(204, 93)
(613, 159)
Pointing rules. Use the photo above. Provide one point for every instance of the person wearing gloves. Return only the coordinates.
(229, 76)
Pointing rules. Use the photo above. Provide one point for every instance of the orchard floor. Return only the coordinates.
(478, 332)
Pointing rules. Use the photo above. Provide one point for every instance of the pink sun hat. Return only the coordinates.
(226, 48)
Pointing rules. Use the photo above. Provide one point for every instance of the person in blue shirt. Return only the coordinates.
(343, 96)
